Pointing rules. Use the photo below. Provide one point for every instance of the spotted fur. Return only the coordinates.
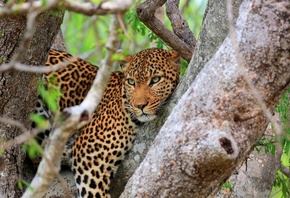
(132, 97)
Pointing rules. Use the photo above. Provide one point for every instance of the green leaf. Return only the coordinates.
(32, 148)
(50, 96)
(227, 185)
(41, 122)
(22, 182)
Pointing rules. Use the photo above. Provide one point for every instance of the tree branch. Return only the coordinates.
(25, 135)
(35, 69)
(285, 170)
(146, 11)
(86, 8)
(24, 8)
(179, 25)
(90, 9)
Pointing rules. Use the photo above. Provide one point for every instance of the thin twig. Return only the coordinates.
(90, 9)
(35, 69)
(26, 133)
(24, 8)
(86, 8)
(59, 178)
(285, 170)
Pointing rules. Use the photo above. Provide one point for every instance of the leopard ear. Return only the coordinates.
(174, 55)
(124, 62)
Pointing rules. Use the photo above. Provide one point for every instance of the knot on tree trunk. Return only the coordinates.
(216, 151)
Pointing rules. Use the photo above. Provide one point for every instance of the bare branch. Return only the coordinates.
(179, 25)
(25, 135)
(91, 9)
(285, 170)
(15, 123)
(146, 12)
(58, 176)
(75, 121)
(35, 69)
(24, 8)
(86, 8)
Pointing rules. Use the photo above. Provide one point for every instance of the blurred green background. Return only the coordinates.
(86, 36)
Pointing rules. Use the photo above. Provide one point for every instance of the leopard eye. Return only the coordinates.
(155, 80)
(131, 81)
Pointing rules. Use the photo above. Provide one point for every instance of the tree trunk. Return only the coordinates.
(218, 119)
(256, 176)
(18, 89)
(213, 32)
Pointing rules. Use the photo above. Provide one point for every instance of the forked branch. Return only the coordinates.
(146, 11)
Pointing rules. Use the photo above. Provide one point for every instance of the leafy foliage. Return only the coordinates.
(282, 183)
(266, 143)
(86, 36)
(281, 187)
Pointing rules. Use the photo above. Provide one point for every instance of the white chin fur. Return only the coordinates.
(146, 118)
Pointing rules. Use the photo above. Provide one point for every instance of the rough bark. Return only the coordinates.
(217, 120)
(255, 178)
(213, 32)
(179, 24)
(58, 42)
(17, 89)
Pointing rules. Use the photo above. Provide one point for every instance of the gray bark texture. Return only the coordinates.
(213, 32)
(214, 125)
(256, 176)
(18, 90)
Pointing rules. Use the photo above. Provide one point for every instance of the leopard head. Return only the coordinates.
(150, 77)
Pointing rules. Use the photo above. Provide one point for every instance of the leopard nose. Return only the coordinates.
(141, 106)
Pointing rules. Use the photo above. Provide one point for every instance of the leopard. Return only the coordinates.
(135, 95)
